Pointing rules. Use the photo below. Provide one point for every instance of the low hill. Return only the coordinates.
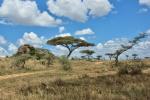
(37, 53)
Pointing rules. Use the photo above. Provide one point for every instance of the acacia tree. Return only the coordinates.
(99, 57)
(110, 55)
(134, 56)
(130, 45)
(89, 53)
(127, 56)
(69, 42)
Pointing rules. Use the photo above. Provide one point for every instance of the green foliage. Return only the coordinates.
(43, 55)
(69, 42)
(89, 53)
(64, 61)
(99, 57)
(134, 56)
(110, 55)
(20, 61)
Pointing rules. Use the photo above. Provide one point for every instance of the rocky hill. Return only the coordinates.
(38, 53)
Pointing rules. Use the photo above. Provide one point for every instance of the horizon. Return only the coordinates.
(106, 23)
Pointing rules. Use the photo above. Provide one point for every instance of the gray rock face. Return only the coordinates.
(25, 49)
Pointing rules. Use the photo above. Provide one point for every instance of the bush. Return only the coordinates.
(132, 68)
(21, 60)
(135, 71)
(123, 70)
(59, 82)
(64, 61)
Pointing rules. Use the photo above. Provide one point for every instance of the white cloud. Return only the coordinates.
(33, 39)
(63, 35)
(26, 12)
(98, 8)
(3, 52)
(61, 29)
(83, 38)
(5, 22)
(99, 46)
(145, 2)
(148, 31)
(79, 10)
(2, 40)
(12, 48)
(142, 48)
(143, 10)
(84, 32)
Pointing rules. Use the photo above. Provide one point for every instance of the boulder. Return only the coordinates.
(25, 49)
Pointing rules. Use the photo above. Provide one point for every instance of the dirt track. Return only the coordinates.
(51, 71)
(21, 75)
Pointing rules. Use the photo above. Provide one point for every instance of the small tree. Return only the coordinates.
(127, 47)
(127, 56)
(69, 42)
(83, 57)
(64, 61)
(89, 53)
(146, 57)
(99, 57)
(134, 56)
(21, 60)
(110, 55)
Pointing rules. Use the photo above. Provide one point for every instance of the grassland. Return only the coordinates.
(87, 80)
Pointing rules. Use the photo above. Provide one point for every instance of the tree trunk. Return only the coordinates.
(88, 57)
(110, 58)
(116, 60)
(23, 64)
(70, 52)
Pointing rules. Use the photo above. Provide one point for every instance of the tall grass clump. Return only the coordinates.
(131, 67)
(64, 61)
(20, 61)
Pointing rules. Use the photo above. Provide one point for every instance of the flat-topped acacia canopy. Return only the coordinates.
(89, 53)
(69, 42)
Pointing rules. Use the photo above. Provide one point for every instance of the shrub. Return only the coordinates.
(64, 61)
(20, 60)
(59, 82)
(132, 68)
(123, 70)
(135, 70)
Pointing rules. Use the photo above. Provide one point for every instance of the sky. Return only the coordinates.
(107, 23)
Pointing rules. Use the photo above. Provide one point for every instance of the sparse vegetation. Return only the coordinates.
(99, 57)
(130, 45)
(131, 67)
(64, 61)
(88, 53)
(110, 55)
(74, 50)
(83, 88)
(134, 56)
(96, 80)
(19, 61)
(69, 42)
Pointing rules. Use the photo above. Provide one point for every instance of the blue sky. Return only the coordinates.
(97, 21)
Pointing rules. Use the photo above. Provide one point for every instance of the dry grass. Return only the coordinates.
(84, 88)
(81, 66)
(7, 68)
(86, 81)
